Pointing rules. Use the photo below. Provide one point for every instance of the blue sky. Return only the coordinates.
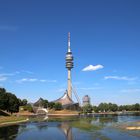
(105, 41)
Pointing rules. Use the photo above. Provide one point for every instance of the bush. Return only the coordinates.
(87, 109)
(57, 106)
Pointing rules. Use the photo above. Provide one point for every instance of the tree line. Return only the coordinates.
(110, 107)
(46, 104)
(9, 102)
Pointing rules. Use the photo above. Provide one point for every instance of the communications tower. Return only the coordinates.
(69, 66)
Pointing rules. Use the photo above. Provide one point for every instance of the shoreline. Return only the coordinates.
(12, 123)
(75, 114)
(16, 120)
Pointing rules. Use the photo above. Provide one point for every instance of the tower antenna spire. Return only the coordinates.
(69, 42)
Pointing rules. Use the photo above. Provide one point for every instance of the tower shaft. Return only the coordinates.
(69, 84)
(69, 66)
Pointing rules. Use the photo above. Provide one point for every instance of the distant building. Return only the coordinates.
(67, 102)
(86, 100)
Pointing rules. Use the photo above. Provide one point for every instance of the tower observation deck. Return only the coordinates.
(69, 66)
(66, 99)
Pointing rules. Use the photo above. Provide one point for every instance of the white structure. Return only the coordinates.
(41, 109)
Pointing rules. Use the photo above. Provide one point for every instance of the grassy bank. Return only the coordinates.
(63, 112)
(7, 120)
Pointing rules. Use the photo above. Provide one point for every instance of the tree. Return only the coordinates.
(3, 99)
(13, 103)
(24, 102)
(8, 101)
(28, 107)
(2, 90)
(51, 105)
(95, 109)
(87, 109)
(103, 107)
(57, 106)
(20, 102)
(112, 107)
(137, 107)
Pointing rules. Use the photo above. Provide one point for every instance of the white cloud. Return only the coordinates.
(27, 80)
(48, 81)
(51, 81)
(28, 72)
(61, 90)
(15, 73)
(42, 80)
(120, 78)
(3, 78)
(34, 80)
(137, 90)
(7, 74)
(93, 68)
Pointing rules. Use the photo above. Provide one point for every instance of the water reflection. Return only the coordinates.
(66, 129)
(8, 133)
(32, 126)
(97, 127)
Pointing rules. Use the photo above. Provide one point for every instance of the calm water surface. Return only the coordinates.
(98, 127)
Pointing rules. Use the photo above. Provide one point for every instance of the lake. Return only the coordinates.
(93, 127)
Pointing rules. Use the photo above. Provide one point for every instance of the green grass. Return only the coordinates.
(62, 119)
(7, 119)
(84, 125)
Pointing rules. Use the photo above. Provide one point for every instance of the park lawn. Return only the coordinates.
(63, 112)
(10, 119)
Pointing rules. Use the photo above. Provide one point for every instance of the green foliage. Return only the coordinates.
(13, 103)
(45, 103)
(57, 106)
(2, 90)
(107, 107)
(87, 109)
(51, 105)
(137, 107)
(95, 109)
(113, 107)
(24, 102)
(3, 99)
(8, 101)
(103, 107)
(28, 107)
(134, 107)
(41, 103)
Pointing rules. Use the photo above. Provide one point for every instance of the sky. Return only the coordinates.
(105, 42)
